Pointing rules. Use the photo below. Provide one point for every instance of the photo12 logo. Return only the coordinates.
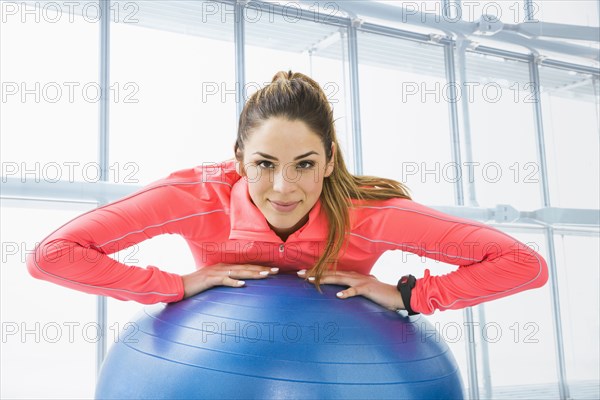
(290, 332)
(254, 12)
(454, 332)
(67, 92)
(221, 91)
(68, 171)
(66, 332)
(473, 92)
(68, 11)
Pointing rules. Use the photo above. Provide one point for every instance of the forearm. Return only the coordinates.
(514, 272)
(490, 263)
(88, 270)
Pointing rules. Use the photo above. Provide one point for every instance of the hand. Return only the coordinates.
(361, 285)
(223, 275)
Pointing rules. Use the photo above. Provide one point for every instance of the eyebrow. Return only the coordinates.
(296, 158)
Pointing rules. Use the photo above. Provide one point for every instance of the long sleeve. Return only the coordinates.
(76, 254)
(491, 264)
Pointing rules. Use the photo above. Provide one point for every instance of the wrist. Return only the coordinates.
(191, 284)
(186, 285)
(405, 286)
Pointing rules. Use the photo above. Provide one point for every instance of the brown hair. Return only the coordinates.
(296, 97)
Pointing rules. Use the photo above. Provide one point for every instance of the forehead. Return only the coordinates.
(282, 135)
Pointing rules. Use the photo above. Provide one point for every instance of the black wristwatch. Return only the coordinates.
(405, 286)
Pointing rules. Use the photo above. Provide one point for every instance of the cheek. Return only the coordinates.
(259, 186)
(312, 185)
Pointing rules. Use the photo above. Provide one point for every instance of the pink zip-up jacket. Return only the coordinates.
(211, 208)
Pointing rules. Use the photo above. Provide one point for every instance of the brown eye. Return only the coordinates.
(306, 165)
(265, 164)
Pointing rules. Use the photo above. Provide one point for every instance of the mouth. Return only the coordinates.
(284, 207)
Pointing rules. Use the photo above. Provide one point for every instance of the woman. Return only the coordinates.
(286, 202)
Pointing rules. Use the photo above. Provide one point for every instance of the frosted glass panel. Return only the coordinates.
(505, 162)
(574, 12)
(404, 116)
(49, 332)
(578, 259)
(570, 104)
(50, 94)
(178, 108)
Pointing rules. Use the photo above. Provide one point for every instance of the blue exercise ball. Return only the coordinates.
(278, 338)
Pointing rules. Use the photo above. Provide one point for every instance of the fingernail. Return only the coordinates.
(301, 272)
(240, 283)
(340, 294)
(274, 269)
(311, 278)
(264, 273)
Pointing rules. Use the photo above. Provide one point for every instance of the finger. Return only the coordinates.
(350, 292)
(230, 268)
(252, 267)
(227, 281)
(304, 274)
(336, 278)
(248, 274)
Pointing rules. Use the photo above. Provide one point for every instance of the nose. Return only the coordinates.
(283, 182)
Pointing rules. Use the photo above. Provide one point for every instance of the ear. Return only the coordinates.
(331, 163)
(239, 168)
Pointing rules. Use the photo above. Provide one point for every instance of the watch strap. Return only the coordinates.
(405, 286)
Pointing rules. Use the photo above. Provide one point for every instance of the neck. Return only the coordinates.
(285, 233)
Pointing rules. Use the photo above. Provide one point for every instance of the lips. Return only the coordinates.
(284, 207)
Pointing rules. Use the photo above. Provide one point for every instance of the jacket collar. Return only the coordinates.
(248, 222)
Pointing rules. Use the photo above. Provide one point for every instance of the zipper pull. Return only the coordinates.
(281, 248)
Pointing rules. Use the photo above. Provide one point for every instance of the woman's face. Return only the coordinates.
(285, 165)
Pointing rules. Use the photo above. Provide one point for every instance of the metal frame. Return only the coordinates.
(240, 56)
(355, 96)
(549, 233)
(104, 104)
(461, 48)
(515, 34)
